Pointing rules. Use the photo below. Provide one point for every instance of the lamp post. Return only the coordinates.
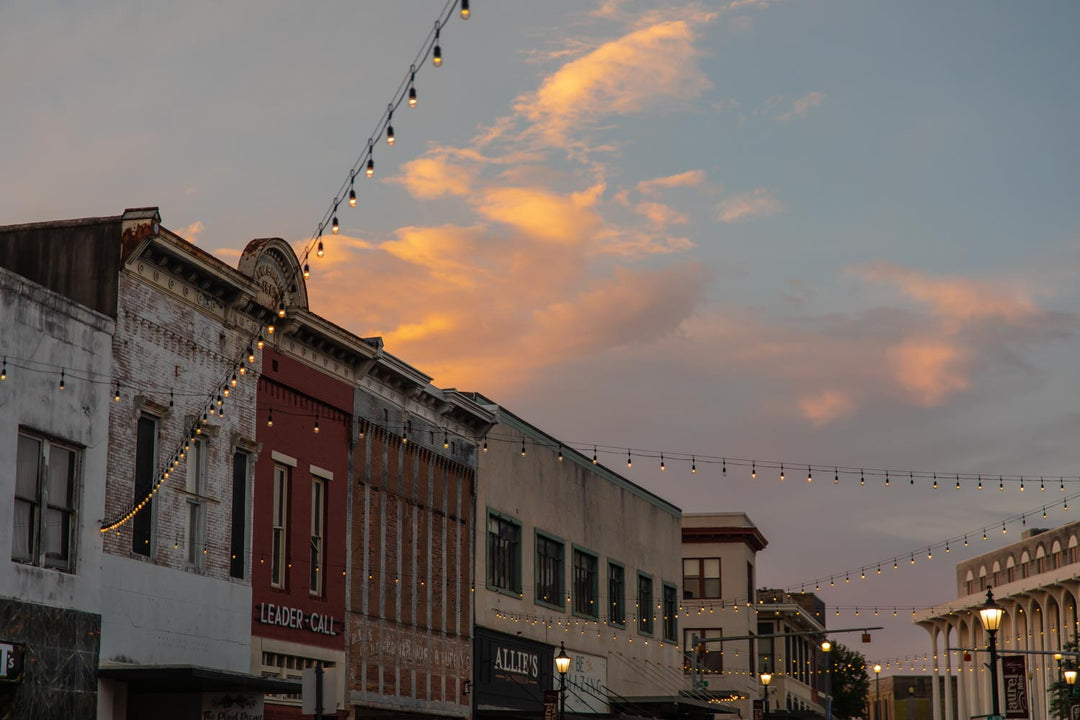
(766, 678)
(826, 646)
(990, 616)
(877, 692)
(562, 664)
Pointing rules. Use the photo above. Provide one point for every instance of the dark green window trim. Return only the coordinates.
(646, 613)
(616, 597)
(503, 574)
(549, 570)
(585, 597)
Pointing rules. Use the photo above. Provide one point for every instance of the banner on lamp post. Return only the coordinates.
(1015, 680)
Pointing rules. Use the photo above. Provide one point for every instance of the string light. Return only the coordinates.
(662, 468)
(594, 460)
(523, 447)
(270, 418)
(116, 395)
(436, 53)
(3, 369)
(62, 379)
(629, 462)
(307, 272)
(352, 190)
(693, 465)
(390, 128)
(753, 471)
(334, 226)
(781, 472)
(319, 252)
(412, 86)
(464, 9)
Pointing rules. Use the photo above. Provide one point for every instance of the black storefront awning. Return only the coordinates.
(192, 679)
(671, 707)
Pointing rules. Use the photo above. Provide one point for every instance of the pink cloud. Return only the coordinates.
(660, 214)
(801, 106)
(827, 406)
(690, 178)
(192, 232)
(930, 369)
(760, 203)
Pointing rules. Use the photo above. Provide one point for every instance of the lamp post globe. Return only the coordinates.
(826, 646)
(562, 665)
(766, 678)
(990, 615)
(877, 690)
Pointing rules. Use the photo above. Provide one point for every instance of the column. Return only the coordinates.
(948, 714)
(935, 694)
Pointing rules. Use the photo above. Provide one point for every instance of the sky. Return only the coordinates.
(817, 233)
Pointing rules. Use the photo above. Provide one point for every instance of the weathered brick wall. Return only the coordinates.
(409, 615)
(177, 340)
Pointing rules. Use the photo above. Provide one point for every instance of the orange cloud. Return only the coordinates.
(690, 178)
(541, 213)
(433, 176)
(801, 106)
(659, 214)
(827, 406)
(747, 206)
(955, 298)
(931, 369)
(192, 232)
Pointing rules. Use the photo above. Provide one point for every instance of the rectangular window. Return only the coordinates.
(586, 583)
(238, 533)
(708, 656)
(45, 492)
(671, 613)
(701, 578)
(550, 571)
(646, 612)
(616, 594)
(750, 583)
(503, 554)
(318, 505)
(145, 474)
(195, 527)
(280, 520)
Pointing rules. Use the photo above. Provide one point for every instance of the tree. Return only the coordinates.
(1061, 694)
(850, 682)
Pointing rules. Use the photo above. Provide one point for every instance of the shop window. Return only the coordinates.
(45, 490)
(586, 583)
(278, 562)
(503, 553)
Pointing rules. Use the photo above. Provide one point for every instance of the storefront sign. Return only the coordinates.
(586, 684)
(511, 672)
(11, 661)
(231, 706)
(296, 619)
(1016, 698)
(551, 705)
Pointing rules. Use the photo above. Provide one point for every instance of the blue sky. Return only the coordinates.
(840, 233)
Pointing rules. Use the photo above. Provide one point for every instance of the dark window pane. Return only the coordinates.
(145, 461)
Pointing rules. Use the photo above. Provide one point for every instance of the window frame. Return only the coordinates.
(239, 514)
(594, 612)
(142, 525)
(670, 616)
(700, 580)
(516, 554)
(279, 523)
(317, 552)
(560, 591)
(616, 595)
(42, 504)
(646, 623)
(713, 660)
(195, 484)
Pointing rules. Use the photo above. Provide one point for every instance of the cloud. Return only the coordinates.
(690, 178)
(801, 106)
(827, 406)
(660, 215)
(954, 298)
(760, 203)
(192, 232)
(930, 369)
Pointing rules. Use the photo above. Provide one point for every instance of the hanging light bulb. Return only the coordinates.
(693, 465)
(3, 370)
(281, 309)
(662, 467)
(270, 418)
(61, 378)
(335, 227)
(316, 424)
(412, 86)
(225, 390)
(232, 380)
(594, 460)
(250, 354)
(259, 342)
(307, 271)
(560, 453)
(446, 441)
(522, 447)
(116, 396)
(781, 472)
(389, 127)
(809, 475)
(753, 470)
(436, 53)
(629, 462)
(485, 445)
(371, 158)
(464, 9)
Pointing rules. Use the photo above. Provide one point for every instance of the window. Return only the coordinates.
(646, 616)
(708, 656)
(503, 554)
(749, 583)
(550, 581)
(766, 642)
(671, 613)
(616, 594)
(145, 469)
(195, 526)
(237, 541)
(44, 503)
(701, 578)
(586, 583)
(318, 504)
(280, 519)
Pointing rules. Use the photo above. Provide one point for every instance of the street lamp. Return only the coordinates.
(990, 616)
(826, 646)
(877, 692)
(1070, 677)
(766, 678)
(562, 664)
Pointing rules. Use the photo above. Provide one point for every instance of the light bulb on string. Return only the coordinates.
(836, 476)
(911, 478)
(464, 9)
(781, 472)
(446, 441)
(1042, 485)
(1062, 484)
(436, 52)
(335, 227)
(980, 482)
(560, 453)
(233, 380)
(753, 470)
(957, 481)
(862, 477)
(316, 425)
(270, 418)
(259, 342)
(61, 378)
(935, 481)
(629, 462)
(522, 447)
(352, 189)
(116, 395)
(3, 370)
(693, 465)
(1001, 484)
(594, 460)
(662, 467)
(307, 271)
(886, 478)
(412, 86)
(809, 475)
(389, 127)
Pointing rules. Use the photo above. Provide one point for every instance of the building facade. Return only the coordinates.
(53, 443)
(1037, 582)
(791, 628)
(571, 554)
(719, 557)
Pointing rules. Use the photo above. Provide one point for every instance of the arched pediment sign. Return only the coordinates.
(272, 264)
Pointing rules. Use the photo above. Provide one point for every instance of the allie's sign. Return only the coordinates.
(297, 619)
(11, 661)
